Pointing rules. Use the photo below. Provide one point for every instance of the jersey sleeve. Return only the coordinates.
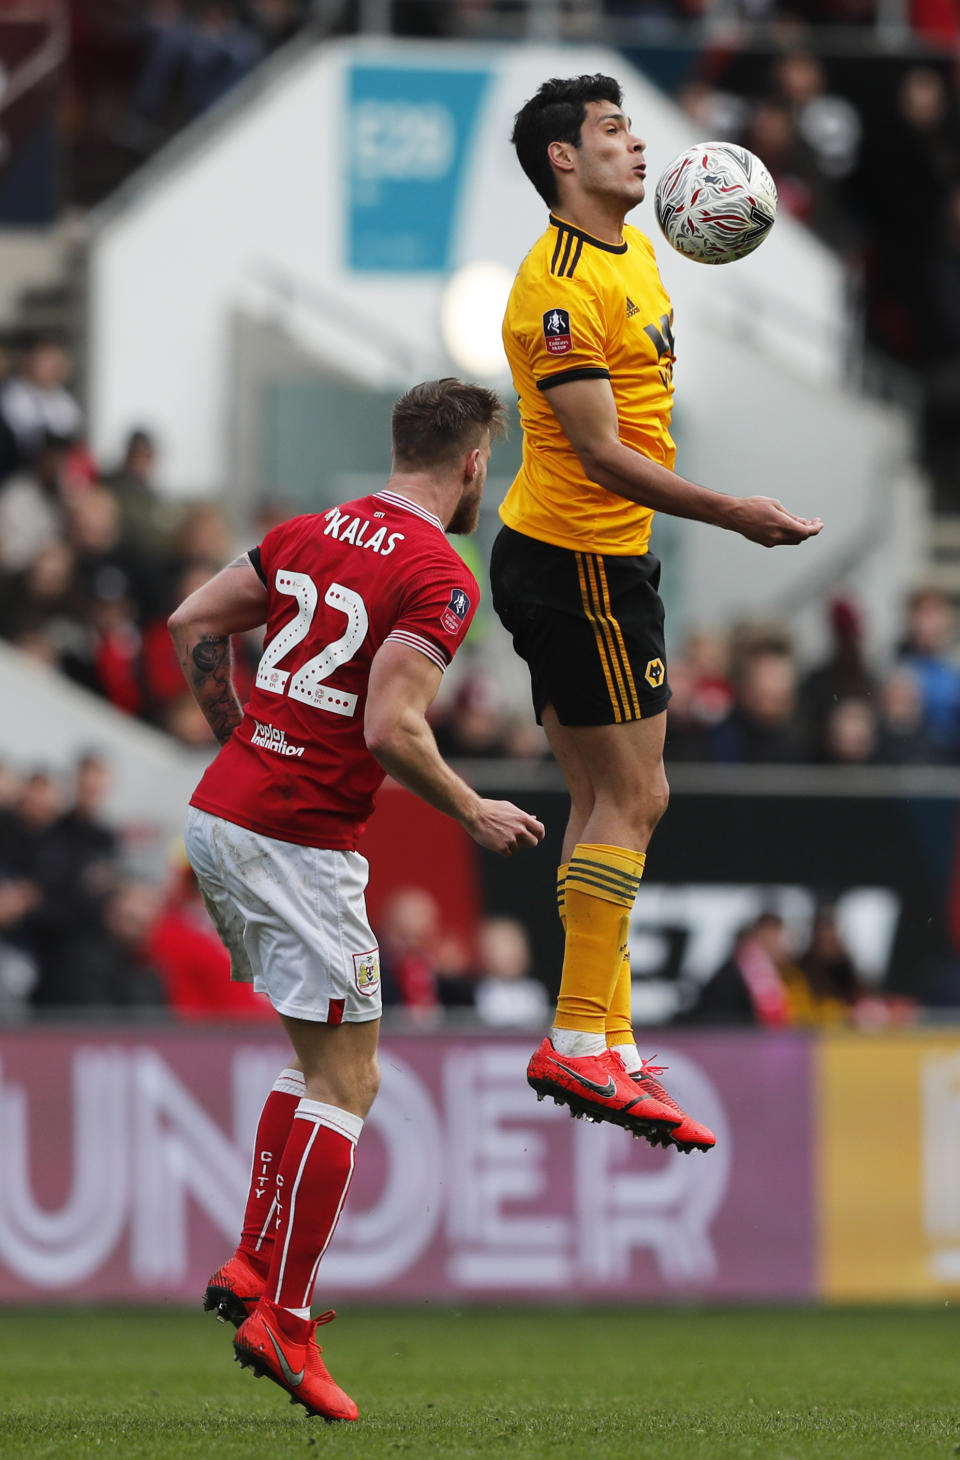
(436, 612)
(558, 325)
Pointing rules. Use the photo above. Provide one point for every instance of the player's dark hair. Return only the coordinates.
(437, 421)
(556, 114)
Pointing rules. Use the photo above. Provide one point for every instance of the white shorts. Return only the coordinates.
(292, 918)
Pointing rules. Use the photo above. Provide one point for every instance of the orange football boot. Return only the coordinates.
(598, 1086)
(689, 1135)
(280, 1345)
(234, 1290)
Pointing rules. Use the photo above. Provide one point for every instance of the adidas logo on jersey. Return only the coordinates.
(632, 308)
(268, 737)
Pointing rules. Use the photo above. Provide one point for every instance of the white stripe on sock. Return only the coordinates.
(333, 1225)
(292, 1212)
(263, 1229)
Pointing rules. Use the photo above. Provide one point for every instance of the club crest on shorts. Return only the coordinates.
(456, 611)
(366, 971)
(556, 331)
(654, 673)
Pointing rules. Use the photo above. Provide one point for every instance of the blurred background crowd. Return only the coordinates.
(93, 558)
(79, 931)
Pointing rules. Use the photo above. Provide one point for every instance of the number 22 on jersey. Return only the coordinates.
(308, 683)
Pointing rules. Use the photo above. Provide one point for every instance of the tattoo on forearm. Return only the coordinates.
(208, 672)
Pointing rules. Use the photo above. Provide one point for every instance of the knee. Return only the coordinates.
(351, 1084)
(657, 803)
(649, 806)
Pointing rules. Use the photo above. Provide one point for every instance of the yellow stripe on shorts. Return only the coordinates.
(624, 656)
(599, 636)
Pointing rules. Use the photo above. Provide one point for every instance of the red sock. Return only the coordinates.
(312, 1186)
(276, 1118)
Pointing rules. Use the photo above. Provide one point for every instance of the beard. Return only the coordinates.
(467, 513)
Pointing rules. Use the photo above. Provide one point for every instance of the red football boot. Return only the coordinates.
(277, 1343)
(598, 1086)
(689, 1135)
(234, 1290)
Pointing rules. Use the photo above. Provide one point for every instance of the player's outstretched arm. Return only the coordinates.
(587, 413)
(403, 685)
(232, 602)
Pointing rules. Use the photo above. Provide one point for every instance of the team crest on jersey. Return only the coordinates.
(455, 612)
(366, 972)
(556, 331)
(654, 673)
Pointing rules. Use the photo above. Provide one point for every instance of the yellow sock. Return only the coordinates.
(619, 1025)
(598, 892)
(562, 892)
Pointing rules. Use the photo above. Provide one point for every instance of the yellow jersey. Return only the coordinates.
(581, 308)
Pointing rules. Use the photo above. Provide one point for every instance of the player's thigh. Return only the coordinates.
(590, 628)
(624, 762)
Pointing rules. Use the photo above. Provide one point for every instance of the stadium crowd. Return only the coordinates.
(93, 560)
(80, 932)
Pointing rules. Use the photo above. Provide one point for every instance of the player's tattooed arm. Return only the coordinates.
(230, 603)
(208, 668)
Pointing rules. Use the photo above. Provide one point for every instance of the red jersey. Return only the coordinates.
(339, 585)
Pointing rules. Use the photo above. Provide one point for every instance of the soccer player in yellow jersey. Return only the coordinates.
(589, 335)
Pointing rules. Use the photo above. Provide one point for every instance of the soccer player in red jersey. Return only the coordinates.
(364, 605)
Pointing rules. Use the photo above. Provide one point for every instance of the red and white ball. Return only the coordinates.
(716, 202)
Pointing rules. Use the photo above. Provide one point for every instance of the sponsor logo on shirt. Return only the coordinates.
(455, 612)
(556, 331)
(366, 971)
(268, 737)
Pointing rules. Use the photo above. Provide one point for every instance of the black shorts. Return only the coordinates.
(589, 625)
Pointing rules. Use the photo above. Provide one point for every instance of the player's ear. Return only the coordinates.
(471, 465)
(562, 155)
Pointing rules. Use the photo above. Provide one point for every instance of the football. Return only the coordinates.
(716, 202)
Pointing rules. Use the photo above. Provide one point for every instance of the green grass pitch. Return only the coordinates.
(544, 1385)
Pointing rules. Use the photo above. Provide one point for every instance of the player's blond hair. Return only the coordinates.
(436, 422)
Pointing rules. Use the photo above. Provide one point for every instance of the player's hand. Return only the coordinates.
(503, 828)
(766, 521)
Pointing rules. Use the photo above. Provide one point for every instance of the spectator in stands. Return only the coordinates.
(829, 128)
(940, 275)
(423, 967)
(506, 993)
(824, 984)
(36, 405)
(763, 726)
(146, 521)
(749, 988)
(476, 722)
(904, 739)
(844, 674)
(114, 968)
(772, 134)
(33, 505)
(929, 652)
(919, 146)
(19, 898)
(850, 734)
(40, 608)
(276, 21)
(191, 59)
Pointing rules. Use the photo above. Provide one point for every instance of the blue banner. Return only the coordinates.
(408, 131)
